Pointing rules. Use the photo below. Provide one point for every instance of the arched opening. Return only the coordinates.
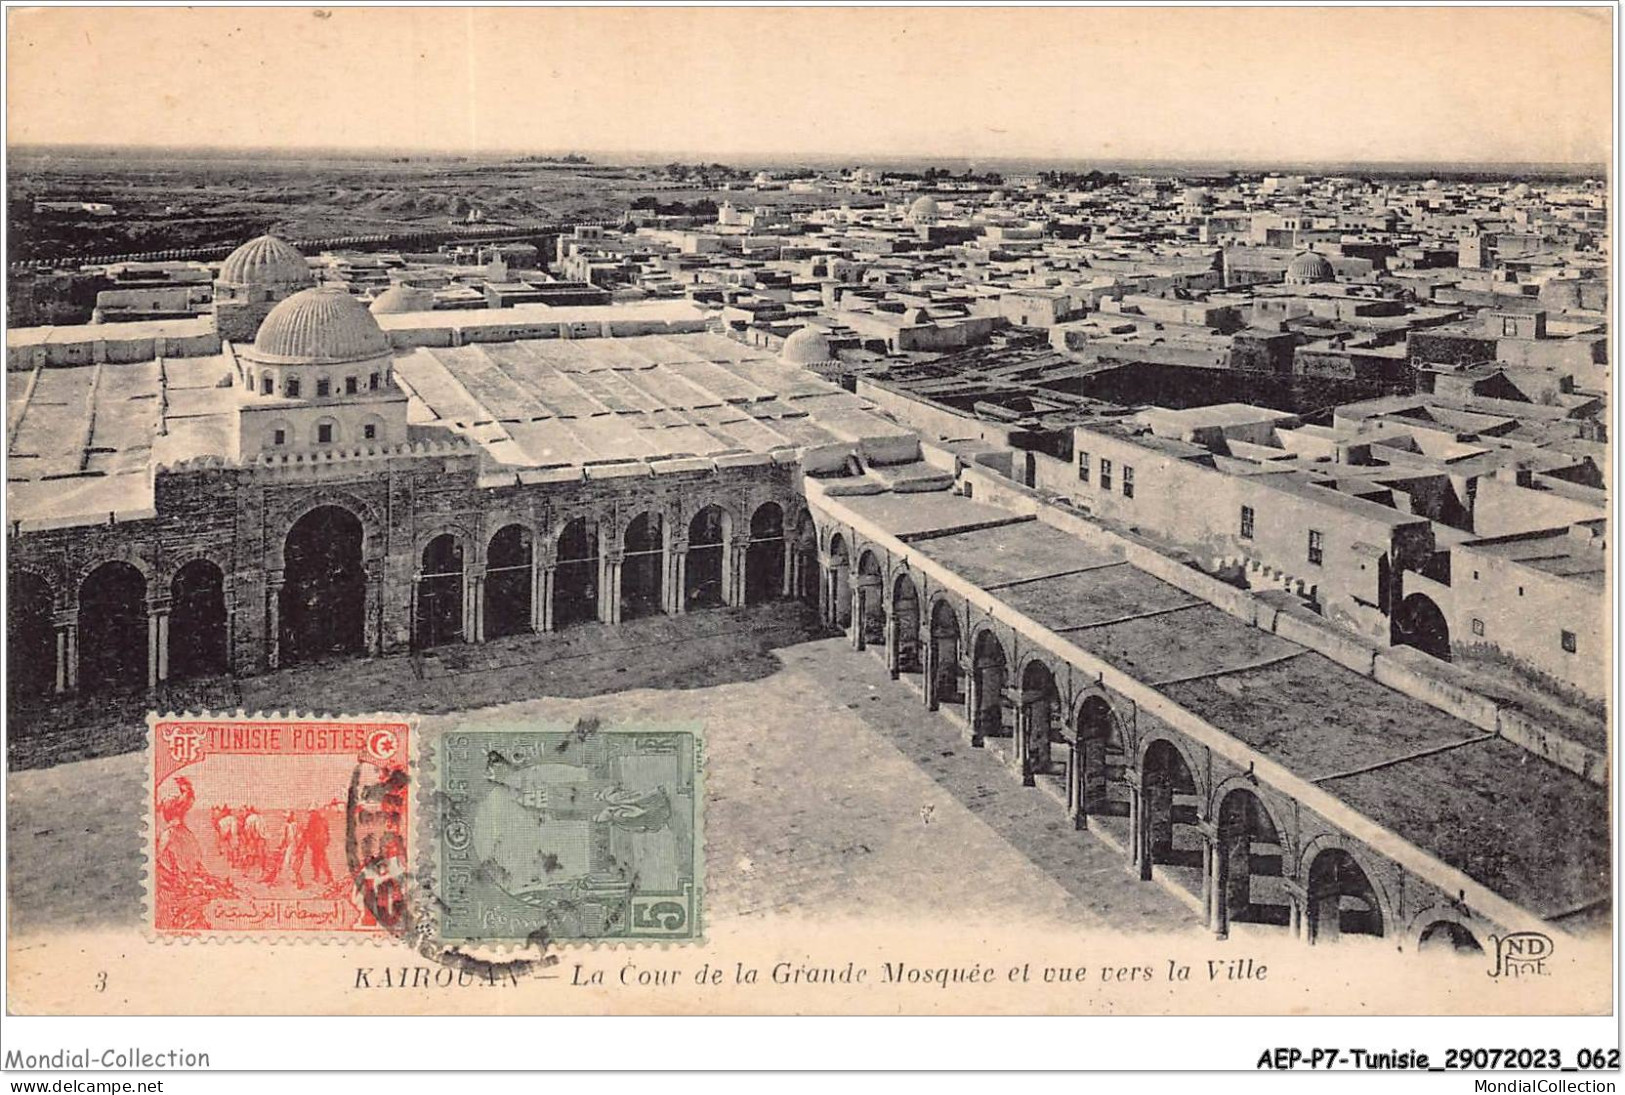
(947, 678)
(1172, 838)
(871, 601)
(840, 582)
(704, 568)
(1102, 792)
(1040, 702)
(197, 621)
(764, 556)
(440, 593)
(1342, 900)
(575, 578)
(905, 615)
(806, 569)
(988, 672)
(644, 566)
(1250, 863)
(509, 577)
(113, 628)
(1448, 936)
(30, 636)
(324, 594)
(1421, 624)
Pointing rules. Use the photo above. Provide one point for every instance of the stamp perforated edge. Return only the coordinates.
(149, 882)
(427, 847)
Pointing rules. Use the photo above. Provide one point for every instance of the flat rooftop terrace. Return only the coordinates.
(1470, 799)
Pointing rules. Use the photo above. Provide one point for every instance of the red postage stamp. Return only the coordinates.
(282, 826)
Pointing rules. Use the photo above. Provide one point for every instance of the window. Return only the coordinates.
(1478, 627)
(1509, 326)
(324, 387)
(1246, 522)
(1317, 546)
(1105, 475)
(290, 387)
(267, 386)
(369, 432)
(372, 383)
(1083, 467)
(1128, 481)
(351, 385)
(324, 432)
(1571, 642)
(279, 437)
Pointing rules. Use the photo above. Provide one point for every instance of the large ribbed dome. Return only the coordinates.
(1309, 268)
(924, 206)
(265, 260)
(317, 327)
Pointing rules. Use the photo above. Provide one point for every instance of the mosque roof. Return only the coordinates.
(265, 260)
(319, 327)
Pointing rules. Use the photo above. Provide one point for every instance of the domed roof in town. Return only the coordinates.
(1309, 267)
(807, 346)
(399, 298)
(320, 326)
(924, 206)
(265, 260)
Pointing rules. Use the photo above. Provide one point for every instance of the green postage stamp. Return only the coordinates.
(560, 833)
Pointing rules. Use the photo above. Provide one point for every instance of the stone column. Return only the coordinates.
(679, 579)
(1214, 898)
(792, 564)
(1024, 745)
(541, 596)
(474, 605)
(859, 596)
(1075, 761)
(163, 644)
(1138, 849)
(152, 647)
(737, 551)
(612, 586)
(1298, 900)
(928, 667)
(273, 618)
(67, 649)
(973, 704)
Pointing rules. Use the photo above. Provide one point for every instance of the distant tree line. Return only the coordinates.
(702, 207)
(703, 173)
(942, 174)
(1078, 180)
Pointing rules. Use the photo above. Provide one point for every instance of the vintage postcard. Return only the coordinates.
(809, 510)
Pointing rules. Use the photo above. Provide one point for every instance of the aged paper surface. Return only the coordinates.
(1038, 573)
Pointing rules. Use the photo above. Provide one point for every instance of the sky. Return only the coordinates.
(1239, 84)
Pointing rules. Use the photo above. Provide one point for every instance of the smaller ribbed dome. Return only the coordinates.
(807, 346)
(924, 206)
(399, 299)
(1309, 268)
(319, 327)
(265, 260)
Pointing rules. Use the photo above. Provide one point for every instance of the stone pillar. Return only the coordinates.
(679, 580)
(1074, 788)
(612, 586)
(163, 645)
(273, 618)
(1139, 850)
(152, 648)
(1215, 899)
(893, 645)
(825, 597)
(734, 565)
(1298, 900)
(928, 667)
(67, 650)
(859, 599)
(541, 597)
(792, 565)
(973, 704)
(474, 605)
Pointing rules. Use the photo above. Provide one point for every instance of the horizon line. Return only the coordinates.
(856, 159)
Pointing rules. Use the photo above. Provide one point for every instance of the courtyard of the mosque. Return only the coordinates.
(829, 787)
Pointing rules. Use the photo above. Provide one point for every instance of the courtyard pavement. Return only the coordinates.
(830, 789)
